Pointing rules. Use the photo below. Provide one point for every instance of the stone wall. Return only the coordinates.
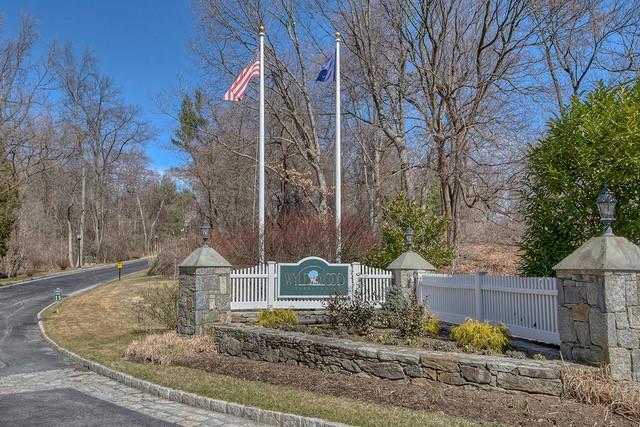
(599, 320)
(403, 364)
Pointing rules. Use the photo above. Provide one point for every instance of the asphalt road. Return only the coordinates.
(44, 408)
(22, 348)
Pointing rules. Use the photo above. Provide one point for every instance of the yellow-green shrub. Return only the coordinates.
(481, 336)
(431, 326)
(279, 316)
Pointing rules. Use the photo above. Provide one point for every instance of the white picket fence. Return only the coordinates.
(255, 288)
(527, 305)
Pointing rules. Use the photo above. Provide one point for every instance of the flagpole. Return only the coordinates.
(261, 153)
(338, 158)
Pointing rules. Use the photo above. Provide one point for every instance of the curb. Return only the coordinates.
(235, 409)
(65, 273)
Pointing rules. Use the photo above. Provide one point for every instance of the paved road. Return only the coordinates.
(39, 388)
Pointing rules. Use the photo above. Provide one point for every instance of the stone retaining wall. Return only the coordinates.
(404, 364)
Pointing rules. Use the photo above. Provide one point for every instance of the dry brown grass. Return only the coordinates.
(595, 387)
(169, 349)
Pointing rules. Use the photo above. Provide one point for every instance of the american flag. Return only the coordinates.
(236, 91)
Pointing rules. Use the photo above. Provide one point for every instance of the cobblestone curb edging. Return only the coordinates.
(230, 408)
(378, 361)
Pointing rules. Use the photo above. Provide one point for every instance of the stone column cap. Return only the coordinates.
(205, 257)
(411, 260)
(603, 253)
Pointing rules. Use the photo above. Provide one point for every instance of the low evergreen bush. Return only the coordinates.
(476, 335)
(431, 326)
(429, 239)
(277, 317)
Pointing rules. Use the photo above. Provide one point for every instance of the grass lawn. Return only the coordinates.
(100, 324)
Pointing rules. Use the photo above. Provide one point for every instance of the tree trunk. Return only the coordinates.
(70, 237)
(406, 181)
(144, 226)
(82, 213)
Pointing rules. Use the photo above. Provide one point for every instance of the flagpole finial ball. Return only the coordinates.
(337, 34)
(261, 28)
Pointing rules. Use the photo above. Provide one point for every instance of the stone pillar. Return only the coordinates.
(403, 268)
(599, 305)
(205, 291)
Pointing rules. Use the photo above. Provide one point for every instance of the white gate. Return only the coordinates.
(255, 288)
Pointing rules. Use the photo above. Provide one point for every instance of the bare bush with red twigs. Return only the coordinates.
(293, 237)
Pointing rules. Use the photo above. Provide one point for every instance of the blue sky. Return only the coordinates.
(141, 44)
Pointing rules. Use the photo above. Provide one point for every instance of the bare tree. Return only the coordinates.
(22, 84)
(104, 127)
(294, 120)
(467, 58)
(374, 39)
(579, 39)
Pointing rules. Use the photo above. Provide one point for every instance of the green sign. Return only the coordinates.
(312, 278)
(57, 294)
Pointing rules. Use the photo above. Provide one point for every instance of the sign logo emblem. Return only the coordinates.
(312, 278)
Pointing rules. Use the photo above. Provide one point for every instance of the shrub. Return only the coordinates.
(297, 235)
(481, 336)
(596, 141)
(412, 322)
(334, 310)
(158, 306)
(431, 326)
(409, 317)
(415, 320)
(277, 317)
(354, 314)
(429, 234)
(169, 349)
(62, 263)
(393, 307)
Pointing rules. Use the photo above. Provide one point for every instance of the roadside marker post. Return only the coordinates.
(119, 269)
(57, 297)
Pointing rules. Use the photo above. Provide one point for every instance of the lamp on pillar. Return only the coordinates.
(607, 206)
(408, 235)
(205, 228)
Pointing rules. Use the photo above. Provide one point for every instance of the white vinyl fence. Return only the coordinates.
(526, 305)
(256, 287)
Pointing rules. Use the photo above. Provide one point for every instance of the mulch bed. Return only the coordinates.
(478, 405)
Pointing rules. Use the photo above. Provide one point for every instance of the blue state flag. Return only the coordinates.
(328, 72)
